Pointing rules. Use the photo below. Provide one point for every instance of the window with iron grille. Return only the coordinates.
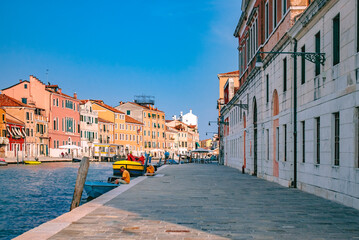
(267, 87)
(317, 50)
(303, 66)
(285, 142)
(284, 74)
(336, 138)
(303, 141)
(336, 40)
(317, 133)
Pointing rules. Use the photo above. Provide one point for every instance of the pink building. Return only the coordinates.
(61, 110)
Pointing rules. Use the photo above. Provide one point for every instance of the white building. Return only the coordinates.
(188, 118)
(312, 141)
(89, 128)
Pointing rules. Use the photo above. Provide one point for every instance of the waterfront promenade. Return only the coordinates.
(203, 201)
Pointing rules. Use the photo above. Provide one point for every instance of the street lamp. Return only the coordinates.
(313, 57)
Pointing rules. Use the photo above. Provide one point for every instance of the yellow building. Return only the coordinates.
(130, 136)
(110, 121)
(153, 126)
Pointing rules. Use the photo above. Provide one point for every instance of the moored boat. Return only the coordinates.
(95, 189)
(3, 162)
(32, 162)
(134, 168)
(76, 159)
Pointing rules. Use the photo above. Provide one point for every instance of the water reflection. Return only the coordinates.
(34, 194)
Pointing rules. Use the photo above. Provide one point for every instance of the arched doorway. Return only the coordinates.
(275, 112)
(255, 136)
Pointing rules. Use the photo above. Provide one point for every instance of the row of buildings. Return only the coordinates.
(290, 113)
(40, 120)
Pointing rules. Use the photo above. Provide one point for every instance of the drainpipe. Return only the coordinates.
(295, 114)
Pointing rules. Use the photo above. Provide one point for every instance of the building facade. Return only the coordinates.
(89, 128)
(298, 124)
(61, 111)
(153, 121)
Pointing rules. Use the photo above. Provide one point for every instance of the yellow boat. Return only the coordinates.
(135, 168)
(32, 162)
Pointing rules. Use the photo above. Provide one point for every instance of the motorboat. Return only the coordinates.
(95, 189)
(76, 159)
(134, 168)
(3, 162)
(32, 162)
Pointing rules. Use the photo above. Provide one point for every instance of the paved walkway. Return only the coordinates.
(205, 201)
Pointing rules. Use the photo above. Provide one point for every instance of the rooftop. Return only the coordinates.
(6, 101)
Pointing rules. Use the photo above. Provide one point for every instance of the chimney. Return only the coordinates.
(58, 90)
(121, 103)
(190, 111)
(181, 114)
(20, 81)
(75, 95)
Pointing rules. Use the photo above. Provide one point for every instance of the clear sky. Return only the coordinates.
(114, 50)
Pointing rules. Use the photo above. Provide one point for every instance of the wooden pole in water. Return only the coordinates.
(80, 182)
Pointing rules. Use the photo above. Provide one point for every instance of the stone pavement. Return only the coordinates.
(205, 201)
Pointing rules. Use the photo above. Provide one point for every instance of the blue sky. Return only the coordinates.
(114, 50)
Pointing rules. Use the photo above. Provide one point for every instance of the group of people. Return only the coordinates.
(126, 178)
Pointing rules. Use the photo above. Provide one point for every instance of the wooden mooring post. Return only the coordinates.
(80, 182)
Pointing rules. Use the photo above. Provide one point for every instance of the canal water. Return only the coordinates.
(33, 194)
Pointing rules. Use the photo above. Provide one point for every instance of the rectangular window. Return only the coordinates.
(303, 65)
(336, 138)
(284, 7)
(284, 74)
(274, 14)
(24, 100)
(25, 86)
(285, 142)
(317, 50)
(336, 40)
(267, 20)
(303, 141)
(277, 141)
(357, 118)
(357, 25)
(128, 112)
(267, 87)
(27, 116)
(317, 137)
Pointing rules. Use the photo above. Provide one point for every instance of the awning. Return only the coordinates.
(9, 131)
(14, 133)
(17, 130)
(23, 132)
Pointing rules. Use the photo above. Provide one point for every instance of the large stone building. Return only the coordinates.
(294, 119)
